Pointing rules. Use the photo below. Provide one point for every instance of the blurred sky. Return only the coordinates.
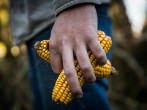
(136, 12)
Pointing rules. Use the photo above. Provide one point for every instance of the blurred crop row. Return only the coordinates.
(128, 89)
(14, 88)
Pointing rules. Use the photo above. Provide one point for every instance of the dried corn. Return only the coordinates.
(61, 92)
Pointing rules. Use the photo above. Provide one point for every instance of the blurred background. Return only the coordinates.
(128, 90)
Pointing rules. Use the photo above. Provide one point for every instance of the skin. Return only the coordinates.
(74, 32)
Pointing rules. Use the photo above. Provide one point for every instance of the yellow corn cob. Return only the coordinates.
(105, 41)
(61, 92)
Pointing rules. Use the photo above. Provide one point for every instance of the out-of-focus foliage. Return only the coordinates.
(14, 89)
(128, 90)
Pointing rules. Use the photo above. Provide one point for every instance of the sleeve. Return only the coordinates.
(61, 5)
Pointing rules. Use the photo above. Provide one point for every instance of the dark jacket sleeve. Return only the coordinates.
(61, 5)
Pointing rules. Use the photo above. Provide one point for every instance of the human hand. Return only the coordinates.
(75, 32)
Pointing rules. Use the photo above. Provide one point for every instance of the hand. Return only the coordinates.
(75, 32)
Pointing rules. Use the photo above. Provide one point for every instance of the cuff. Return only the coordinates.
(61, 5)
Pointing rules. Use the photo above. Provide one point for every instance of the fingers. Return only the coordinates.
(98, 51)
(70, 72)
(55, 59)
(61, 54)
(85, 64)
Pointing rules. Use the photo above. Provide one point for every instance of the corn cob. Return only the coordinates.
(61, 92)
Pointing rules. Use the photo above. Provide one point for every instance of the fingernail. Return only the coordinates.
(55, 71)
(103, 61)
(79, 96)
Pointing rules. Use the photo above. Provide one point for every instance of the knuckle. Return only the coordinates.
(53, 66)
(101, 58)
(77, 43)
(103, 62)
(52, 61)
(89, 38)
(97, 48)
(90, 79)
(53, 45)
(89, 76)
(75, 92)
(69, 73)
(86, 67)
(56, 68)
(88, 73)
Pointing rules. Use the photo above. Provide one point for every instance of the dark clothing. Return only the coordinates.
(30, 17)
